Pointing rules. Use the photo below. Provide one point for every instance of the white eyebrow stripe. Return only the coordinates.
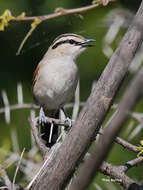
(67, 35)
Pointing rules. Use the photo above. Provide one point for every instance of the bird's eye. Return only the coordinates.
(71, 41)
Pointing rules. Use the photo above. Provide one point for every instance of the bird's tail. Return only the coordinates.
(50, 132)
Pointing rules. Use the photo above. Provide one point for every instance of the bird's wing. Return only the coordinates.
(34, 76)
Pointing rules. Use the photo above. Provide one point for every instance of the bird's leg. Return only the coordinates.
(42, 117)
(67, 118)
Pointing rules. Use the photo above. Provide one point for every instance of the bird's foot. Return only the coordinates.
(69, 121)
(42, 117)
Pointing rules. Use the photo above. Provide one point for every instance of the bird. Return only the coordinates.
(55, 80)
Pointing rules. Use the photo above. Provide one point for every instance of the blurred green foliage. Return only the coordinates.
(20, 68)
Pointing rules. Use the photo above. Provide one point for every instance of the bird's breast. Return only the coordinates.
(55, 83)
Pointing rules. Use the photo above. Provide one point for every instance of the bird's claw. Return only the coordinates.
(42, 117)
(69, 121)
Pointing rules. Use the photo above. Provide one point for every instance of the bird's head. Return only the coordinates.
(70, 45)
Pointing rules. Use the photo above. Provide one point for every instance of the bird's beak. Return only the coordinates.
(87, 43)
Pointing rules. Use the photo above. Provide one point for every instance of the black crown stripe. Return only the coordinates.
(66, 41)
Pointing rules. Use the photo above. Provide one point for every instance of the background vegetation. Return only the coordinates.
(14, 69)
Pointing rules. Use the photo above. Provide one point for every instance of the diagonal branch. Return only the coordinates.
(100, 152)
(58, 170)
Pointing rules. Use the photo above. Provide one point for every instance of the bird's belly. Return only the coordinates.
(55, 92)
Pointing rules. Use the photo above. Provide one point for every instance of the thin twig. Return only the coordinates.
(123, 143)
(41, 145)
(20, 106)
(33, 106)
(61, 12)
(17, 168)
(4, 187)
(57, 122)
(126, 144)
(132, 163)
(6, 178)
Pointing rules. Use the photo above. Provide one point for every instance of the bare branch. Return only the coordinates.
(41, 145)
(33, 106)
(61, 12)
(124, 143)
(3, 187)
(111, 130)
(6, 178)
(116, 173)
(132, 163)
(17, 168)
(20, 106)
